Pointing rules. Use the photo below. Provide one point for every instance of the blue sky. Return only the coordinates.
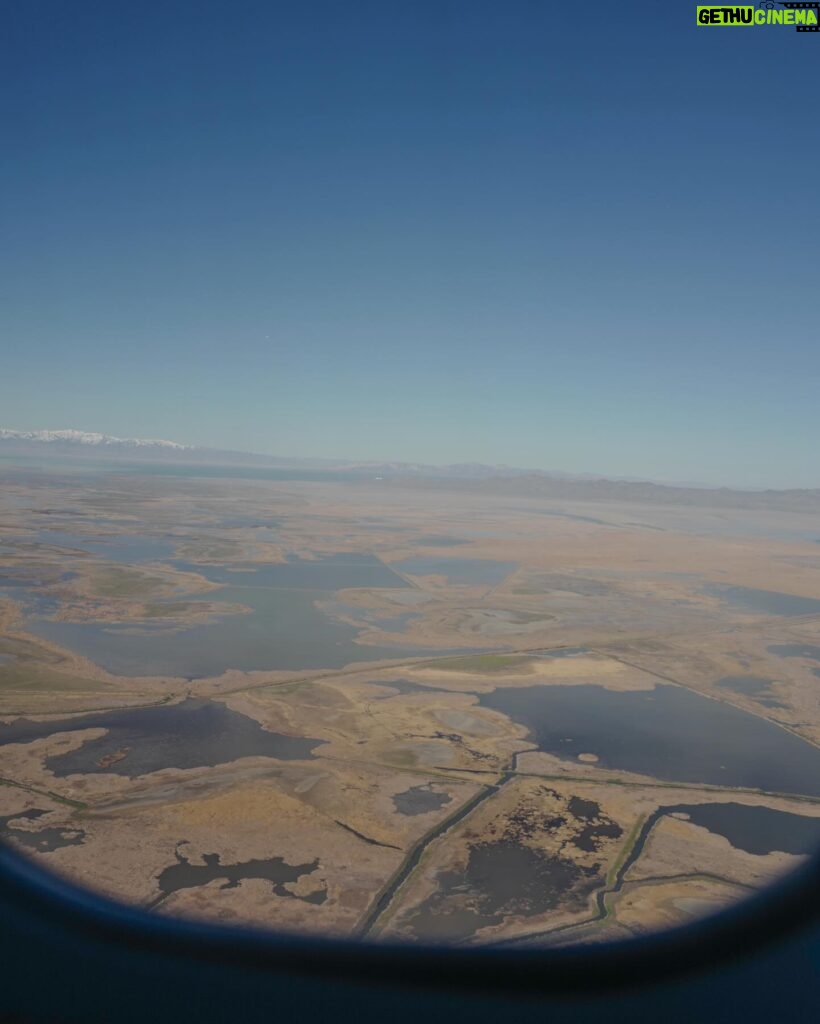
(580, 237)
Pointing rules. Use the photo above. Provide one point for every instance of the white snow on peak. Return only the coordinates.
(82, 437)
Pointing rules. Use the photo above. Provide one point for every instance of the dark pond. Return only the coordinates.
(33, 601)
(473, 571)
(142, 740)
(759, 830)
(808, 651)
(420, 800)
(501, 878)
(756, 687)
(752, 686)
(43, 840)
(331, 572)
(771, 602)
(185, 875)
(668, 733)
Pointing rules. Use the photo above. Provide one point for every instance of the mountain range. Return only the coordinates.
(509, 481)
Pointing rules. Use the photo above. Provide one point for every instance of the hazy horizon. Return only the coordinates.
(353, 461)
(439, 235)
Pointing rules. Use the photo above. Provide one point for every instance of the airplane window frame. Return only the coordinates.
(775, 913)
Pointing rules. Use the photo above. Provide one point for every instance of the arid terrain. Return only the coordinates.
(407, 712)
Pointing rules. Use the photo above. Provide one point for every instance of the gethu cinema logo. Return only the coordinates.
(802, 15)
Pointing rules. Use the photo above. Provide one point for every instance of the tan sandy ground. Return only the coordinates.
(629, 588)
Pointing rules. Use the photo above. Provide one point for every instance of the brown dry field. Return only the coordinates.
(414, 794)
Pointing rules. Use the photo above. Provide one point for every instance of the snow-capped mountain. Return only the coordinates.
(83, 438)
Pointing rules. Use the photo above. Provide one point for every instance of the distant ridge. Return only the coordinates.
(151, 455)
(81, 437)
(70, 442)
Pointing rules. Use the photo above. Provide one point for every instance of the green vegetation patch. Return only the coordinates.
(39, 677)
(24, 651)
(486, 663)
(209, 551)
(126, 583)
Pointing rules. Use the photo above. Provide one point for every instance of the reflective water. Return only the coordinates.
(330, 572)
(137, 741)
(758, 830)
(770, 602)
(45, 838)
(809, 651)
(284, 630)
(670, 733)
(756, 687)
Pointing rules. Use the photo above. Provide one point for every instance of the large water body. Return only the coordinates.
(668, 733)
(756, 687)
(284, 630)
(192, 734)
(330, 572)
(758, 830)
(770, 602)
(811, 652)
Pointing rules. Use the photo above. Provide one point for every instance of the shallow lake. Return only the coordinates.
(185, 875)
(191, 734)
(331, 572)
(669, 733)
(756, 687)
(285, 630)
(759, 830)
(420, 800)
(45, 839)
(771, 602)
(500, 878)
(809, 651)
